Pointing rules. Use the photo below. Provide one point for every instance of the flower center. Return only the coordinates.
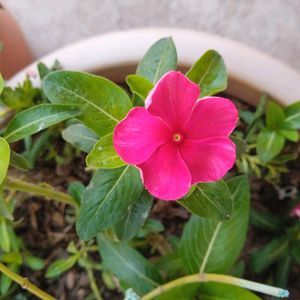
(177, 138)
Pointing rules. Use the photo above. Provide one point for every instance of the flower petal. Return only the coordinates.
(165, 174)
(208, 159)
(138, 135)
(173, 99)
(211, 116)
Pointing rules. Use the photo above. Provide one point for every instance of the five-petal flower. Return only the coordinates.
(178, 140)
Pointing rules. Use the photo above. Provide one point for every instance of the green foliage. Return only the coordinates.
(80, 137)
(128, 265)
(221, 291)
(269, 145)
(214, 246)
(104, 155)
(62, 265)
(139, 85)
(22, 97)
(209, 72)
(292, 113)
(107, 199)
(37, 118)
(267, 255)
(209, 200)
(102, 103)
(134, 218)
(5, 158)
(158, 60)
(19, 161)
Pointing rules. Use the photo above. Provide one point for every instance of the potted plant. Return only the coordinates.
(146, 147)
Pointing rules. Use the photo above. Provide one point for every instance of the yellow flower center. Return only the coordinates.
(177, 137)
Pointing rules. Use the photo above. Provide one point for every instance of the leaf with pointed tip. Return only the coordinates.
(128, 265)
(134, 217)
(158, 60)
(210, 200)
(104, 155)
(102, 103)
(209, 72)
(214, 246)
(37, 118)
(80, 137)
(106, 199)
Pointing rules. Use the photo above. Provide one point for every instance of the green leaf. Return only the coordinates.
(269, 145)
(159, 59)
(37, 118)
(103, 104)
(4, 209)
(4, 236)
(22, 97)
(214, 246)
(209, 72)
(134, 217)
(60, 266)
(128, 265)
(210, 200)
(76, 190)
(183, 292)
(274, 116)
(34, 263)
(43, 70)
(221, 291)
(266, 221)
(150, 226)
(106, 199)
(292, 116)
(295, 251)
(80, 137)
(19, 161)
(1, 84)
(282, 271)
(139, 85)
(5, 158)
(39, 146)
(267, 255)
(104, 155)
(291, 135)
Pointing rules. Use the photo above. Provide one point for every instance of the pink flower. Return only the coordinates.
(177, 140)
(295, 211)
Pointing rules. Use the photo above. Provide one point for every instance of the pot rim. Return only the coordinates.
(251, 72)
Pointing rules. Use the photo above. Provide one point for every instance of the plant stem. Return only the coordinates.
(203, 277)
(210, 245)
(38, 190)
(25, 283)
(93, 283)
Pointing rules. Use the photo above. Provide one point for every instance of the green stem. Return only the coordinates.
(25, 283)
(203, 277)
(38, 190)
(93, 283)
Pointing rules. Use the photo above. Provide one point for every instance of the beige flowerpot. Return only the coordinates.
(115, 55)
(15, 54)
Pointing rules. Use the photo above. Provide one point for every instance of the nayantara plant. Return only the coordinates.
(167, 140)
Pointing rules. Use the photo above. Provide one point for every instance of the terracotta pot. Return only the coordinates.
(15, 54)
(115, 55)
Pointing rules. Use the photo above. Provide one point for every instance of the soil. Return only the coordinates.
(47, 227)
